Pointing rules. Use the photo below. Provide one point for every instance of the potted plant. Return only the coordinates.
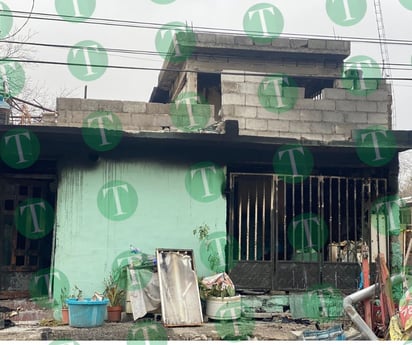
(115, 294)
(218, 290)
(64, 295)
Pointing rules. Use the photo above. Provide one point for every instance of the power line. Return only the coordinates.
(24, 24)
(393, 66)
(65, 46)
(200, 29)
(178, 70)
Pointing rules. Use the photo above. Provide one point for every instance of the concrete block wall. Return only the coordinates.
(289, 67)
(135, 116)
(332, 117)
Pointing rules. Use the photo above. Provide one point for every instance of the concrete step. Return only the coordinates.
(27, 310)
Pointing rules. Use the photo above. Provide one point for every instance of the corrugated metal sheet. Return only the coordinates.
(179, 292)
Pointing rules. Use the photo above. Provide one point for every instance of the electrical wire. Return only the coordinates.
(177, 70)
(152, 25)
(200, 29)
(23, 25)
(394, 66)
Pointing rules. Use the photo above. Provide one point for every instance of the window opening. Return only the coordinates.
(314, 86)
(210, 87)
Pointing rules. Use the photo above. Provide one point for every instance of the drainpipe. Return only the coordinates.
(358, 296)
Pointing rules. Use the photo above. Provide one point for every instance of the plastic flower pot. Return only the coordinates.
(114, 314)
(86, 312)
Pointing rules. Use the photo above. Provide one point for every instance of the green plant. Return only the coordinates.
(77, 293)
(202, 233)
(216, 290)
(64, 295)
(219, 289)
(113, 290)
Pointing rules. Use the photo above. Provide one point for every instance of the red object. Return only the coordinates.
(385, 296)
(405, 309)
(65, 316)
(114, 314)
(366, 283)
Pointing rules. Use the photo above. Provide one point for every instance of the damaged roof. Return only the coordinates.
(210, 45)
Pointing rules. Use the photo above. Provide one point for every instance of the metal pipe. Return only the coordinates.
(255, 239)
(358, 296)
(248, 224)
(263, 220)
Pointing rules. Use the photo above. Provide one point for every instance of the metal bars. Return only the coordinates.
(315, 218)
(252, 227)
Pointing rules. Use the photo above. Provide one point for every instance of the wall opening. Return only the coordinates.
(314, 86)
(21, 255)
(209, 86)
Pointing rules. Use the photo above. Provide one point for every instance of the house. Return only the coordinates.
(284, 150)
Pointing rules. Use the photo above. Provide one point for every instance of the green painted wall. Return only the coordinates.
(87, 242)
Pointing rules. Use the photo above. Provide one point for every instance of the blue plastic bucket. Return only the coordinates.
(86, 313)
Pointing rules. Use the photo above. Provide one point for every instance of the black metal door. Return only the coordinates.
(251, 231)
(296, 233)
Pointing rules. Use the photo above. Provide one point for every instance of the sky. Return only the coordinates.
(309, 18)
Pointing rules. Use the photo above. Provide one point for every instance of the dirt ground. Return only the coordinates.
(244, 329)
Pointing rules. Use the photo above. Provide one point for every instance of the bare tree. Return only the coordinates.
(35, 98)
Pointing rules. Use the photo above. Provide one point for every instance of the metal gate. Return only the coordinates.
(291, 233)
